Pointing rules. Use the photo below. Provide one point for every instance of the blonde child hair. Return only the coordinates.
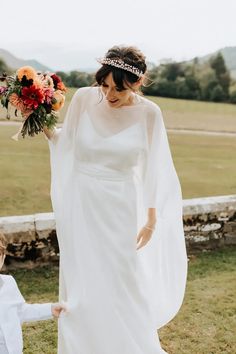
(3, 242)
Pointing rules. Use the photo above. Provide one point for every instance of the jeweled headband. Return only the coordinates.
(119, 63)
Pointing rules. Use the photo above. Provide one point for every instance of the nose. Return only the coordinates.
(109, 94)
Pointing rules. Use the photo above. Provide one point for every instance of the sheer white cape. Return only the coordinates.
(163, 260)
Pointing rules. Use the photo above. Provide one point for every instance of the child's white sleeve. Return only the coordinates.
(30, 312)
(34, 312)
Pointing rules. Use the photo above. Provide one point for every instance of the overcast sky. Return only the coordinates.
(69, 34)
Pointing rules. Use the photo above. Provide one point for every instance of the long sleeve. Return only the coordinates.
(67, 132)
(164, 258)
(61, 147)
(161, 183)
(34, 312)
(29, 312)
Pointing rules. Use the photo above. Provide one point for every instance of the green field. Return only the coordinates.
(206, 166)
(187, 114)
(206, 323)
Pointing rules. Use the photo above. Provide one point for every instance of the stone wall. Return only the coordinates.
(209, 223)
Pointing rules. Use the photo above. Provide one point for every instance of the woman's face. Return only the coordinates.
(114, 96)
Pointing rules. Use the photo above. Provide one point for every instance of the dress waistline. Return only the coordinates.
(103, 172)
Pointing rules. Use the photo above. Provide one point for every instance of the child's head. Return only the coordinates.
(3, 246)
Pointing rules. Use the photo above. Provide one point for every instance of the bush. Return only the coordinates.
(232, 96)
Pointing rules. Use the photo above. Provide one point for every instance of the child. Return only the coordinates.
(14, 310)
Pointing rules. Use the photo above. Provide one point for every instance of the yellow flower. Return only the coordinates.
(26, 71)
(60, 99)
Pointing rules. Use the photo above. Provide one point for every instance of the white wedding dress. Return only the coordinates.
(108, 166)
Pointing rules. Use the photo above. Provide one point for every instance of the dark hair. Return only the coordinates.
(130, 55)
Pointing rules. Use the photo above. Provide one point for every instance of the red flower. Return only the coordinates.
(32, 96)
(56, 80)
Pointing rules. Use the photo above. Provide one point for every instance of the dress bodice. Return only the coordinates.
(110, 138)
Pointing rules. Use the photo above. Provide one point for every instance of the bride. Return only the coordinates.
(118, 210)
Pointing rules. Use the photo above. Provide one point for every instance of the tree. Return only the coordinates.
(172, 71)
(218, 64)
(232, 93)
(232, 97)
(193, 87)
(217, 94)
(64, 76)
(222, 74)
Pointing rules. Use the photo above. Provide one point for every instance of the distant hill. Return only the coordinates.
(14, 62)
(229, 54)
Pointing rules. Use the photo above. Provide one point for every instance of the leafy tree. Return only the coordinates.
(182, 89)
(217, 94)
(232, 93)
(64, 76)
(193, 87)
(218, 64)
(79, 79)
(166, 88)
(207, 90)
(232, 97)
(172, 71)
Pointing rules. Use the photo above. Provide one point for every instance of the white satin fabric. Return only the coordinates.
(108, 166)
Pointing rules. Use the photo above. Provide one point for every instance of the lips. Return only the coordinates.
(113, 101)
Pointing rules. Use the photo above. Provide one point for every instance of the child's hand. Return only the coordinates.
(57, 308)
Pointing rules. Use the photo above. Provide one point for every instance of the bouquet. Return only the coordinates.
(37, 96)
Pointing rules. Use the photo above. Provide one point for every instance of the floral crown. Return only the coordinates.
(119, 63)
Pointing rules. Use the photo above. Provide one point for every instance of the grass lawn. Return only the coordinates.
(206, 323)
(206, 166)
(187, 114)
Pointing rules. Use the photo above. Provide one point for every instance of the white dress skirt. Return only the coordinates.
(3, 345)
(108, 166)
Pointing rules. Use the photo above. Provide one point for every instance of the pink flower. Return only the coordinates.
(48, 92)
(3, 89)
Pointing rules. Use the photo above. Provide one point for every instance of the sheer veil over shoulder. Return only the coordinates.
(108, 166)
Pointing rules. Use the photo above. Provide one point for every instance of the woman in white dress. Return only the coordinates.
(118, 211)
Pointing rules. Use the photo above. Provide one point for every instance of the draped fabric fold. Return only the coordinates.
(164, 258)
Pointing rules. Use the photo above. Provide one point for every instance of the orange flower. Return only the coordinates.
(60, 99)
(61, 86)
(26, 71)
(17, 102)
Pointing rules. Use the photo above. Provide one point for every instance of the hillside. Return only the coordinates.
(229, 54)
(14, 62)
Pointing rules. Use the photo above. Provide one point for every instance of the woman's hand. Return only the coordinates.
(48, 132)
(145, 235)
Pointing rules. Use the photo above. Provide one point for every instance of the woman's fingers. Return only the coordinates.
(143, 238)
